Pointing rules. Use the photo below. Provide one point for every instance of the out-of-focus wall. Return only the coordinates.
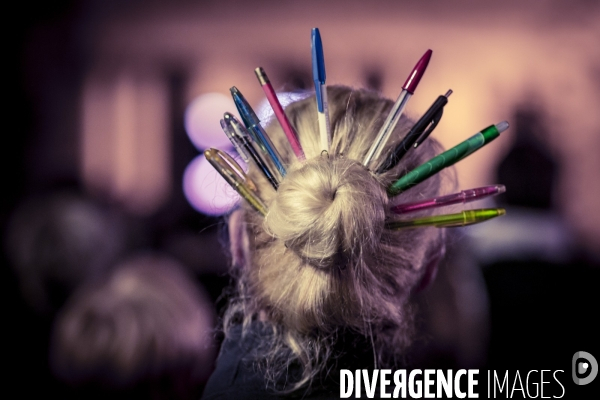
(495, 56)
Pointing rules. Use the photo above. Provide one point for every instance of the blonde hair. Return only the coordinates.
(321, 261)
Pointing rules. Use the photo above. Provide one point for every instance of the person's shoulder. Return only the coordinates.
(236, 375)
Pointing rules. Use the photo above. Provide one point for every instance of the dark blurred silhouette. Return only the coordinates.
(528, 169)
(541, 287)
(453, 325)
(58, 241)
(144, 331)
(52, 244)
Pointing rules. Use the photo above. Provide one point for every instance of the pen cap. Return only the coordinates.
(246, 112)
(417, 73)
(318, 64)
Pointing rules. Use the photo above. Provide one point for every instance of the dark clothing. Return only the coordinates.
(237, 377)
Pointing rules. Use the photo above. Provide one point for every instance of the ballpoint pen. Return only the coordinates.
(318, 69)
(288, 129)
(396, 112)
(419, 132)
(447, 158)
(237, 169)
(235, 141)
(235, 126)
(234, 175)
(253, 125)
(467, 217)
(464, 196)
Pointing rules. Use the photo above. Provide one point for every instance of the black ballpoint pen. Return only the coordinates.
(417, 134)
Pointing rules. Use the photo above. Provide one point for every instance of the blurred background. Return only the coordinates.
(111, 104)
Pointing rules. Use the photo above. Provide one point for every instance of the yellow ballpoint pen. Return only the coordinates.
(467, 217)
(233, 174)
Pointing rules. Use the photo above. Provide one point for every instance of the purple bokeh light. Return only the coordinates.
(265, 113)
(206, 190)
(202, 118)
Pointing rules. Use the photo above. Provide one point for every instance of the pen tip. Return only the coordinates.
(208, 153)
(501, 189)
(501, 211)
(448, 93)
(234, 90)
(502, 126)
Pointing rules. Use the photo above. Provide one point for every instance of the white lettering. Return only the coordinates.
(370, 384)
(384, 383)
(428, 382)
(346, 374)
(411, 384)
(445, 383)
(459, 394)
(535, 384)
(556, 379)
(473, 382)
(517, 378)
(542, 384)
(504, 383)
(400, 382)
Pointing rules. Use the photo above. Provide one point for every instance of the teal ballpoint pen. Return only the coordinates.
(253, 125)
(447, 158)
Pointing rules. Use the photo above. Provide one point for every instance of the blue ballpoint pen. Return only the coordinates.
(318, 68)
(253, 125)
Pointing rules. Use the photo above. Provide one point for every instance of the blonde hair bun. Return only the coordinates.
(328, 210)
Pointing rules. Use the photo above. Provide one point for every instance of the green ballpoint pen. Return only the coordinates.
(467, 217)
(447, 158)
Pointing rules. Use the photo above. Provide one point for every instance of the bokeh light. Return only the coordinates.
(206, 190)
(264, 112)
(202, 118)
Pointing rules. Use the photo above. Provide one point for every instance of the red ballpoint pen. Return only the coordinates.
(394, 116)
(289, 130)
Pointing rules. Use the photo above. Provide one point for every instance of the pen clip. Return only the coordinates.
(430, 127)
(236, 169)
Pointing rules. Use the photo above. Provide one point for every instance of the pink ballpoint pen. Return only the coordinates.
(289, 130)
(463, 196)
(394, 116)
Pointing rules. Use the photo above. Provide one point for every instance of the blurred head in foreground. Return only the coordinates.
(57, 242)
(321, 264)
(146, 326)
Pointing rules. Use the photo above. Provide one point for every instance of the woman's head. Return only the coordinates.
(321, 260)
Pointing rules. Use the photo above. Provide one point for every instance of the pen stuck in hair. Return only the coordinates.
(253, 125)
(246, 147)
(417, 134)
(467, 217)
(287, 127)
(447, 158)
(318, 69)
(396, 112)
(464, 196)
(235, 177)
